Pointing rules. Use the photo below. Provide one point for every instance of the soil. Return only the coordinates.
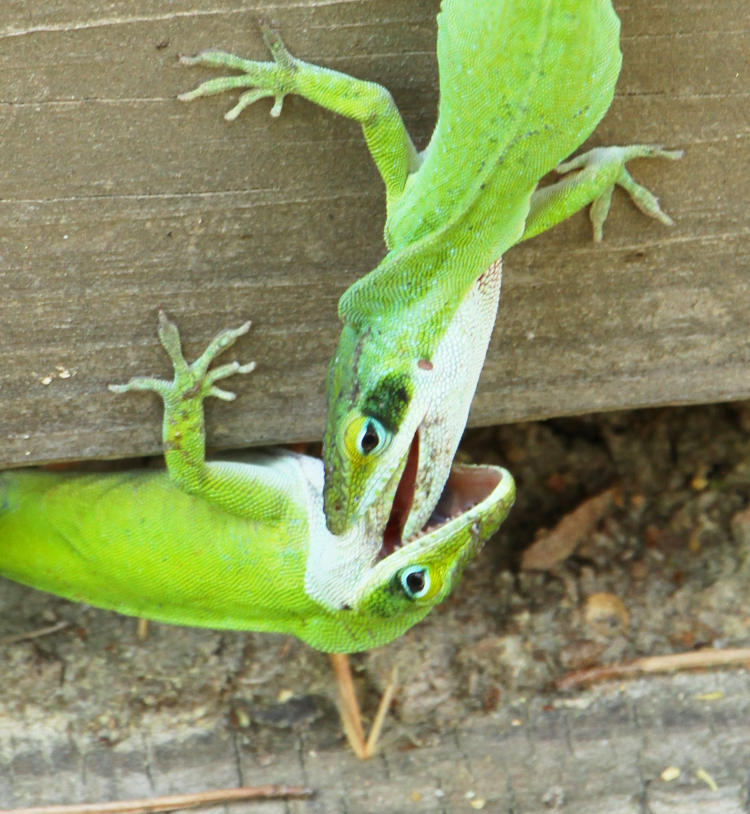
(672, 552)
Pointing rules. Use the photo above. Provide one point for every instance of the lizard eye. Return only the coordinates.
(371, 437)
(415, 580)
(366, 435)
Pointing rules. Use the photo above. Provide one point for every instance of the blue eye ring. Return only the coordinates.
(415, 581)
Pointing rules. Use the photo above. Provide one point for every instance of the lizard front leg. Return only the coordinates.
(183, 432)
(368, 103)
(600, 170)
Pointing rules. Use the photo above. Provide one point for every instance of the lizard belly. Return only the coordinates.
(456, 366)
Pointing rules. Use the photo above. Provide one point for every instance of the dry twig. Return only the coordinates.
(703, 658)
(34, 634)
(173, 801)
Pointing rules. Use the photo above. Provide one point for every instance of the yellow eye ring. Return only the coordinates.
(365, 435)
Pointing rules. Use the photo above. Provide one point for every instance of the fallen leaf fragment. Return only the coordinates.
(553, 548)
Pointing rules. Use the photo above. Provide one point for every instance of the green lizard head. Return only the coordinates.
(371, 424)
(399, 390)
(403, 584)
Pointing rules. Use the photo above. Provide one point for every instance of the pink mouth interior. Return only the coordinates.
(402, 501)
(465, 488)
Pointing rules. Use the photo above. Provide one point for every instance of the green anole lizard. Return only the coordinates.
(522, 84)
(235, 545)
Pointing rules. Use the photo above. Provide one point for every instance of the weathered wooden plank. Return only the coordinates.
(104, 717)
(115, 199)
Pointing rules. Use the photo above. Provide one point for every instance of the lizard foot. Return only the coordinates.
(264, 79)
(611, 161)
(191, 380)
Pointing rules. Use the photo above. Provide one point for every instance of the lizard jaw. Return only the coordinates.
(466, 487)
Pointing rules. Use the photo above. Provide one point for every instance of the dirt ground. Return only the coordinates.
(662, 570)
(671, 548)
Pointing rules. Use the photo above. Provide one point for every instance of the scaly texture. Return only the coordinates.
(238, 545)
(522, 84)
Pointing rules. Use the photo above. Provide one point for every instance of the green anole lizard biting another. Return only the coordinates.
(235, 545)
(522, 84)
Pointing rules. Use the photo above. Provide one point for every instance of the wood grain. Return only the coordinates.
(115, 200)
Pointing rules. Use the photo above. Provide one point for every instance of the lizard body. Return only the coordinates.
(234, 544)
(522, 84)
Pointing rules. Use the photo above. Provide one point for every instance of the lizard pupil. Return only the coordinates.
(370, 439)
(415, 582)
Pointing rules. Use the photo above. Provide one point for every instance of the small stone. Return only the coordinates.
(605, 613)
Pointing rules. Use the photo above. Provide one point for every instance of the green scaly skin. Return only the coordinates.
(235, 545)
(522, 85)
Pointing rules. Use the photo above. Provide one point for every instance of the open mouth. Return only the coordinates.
(402, 501)
(466, 487)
